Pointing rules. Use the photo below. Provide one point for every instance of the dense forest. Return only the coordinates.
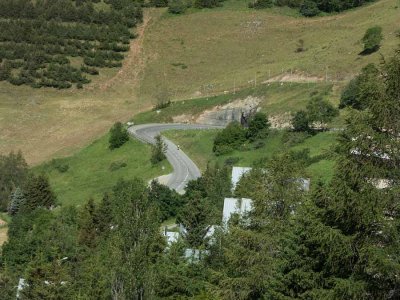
(340, 240)
(55, 43)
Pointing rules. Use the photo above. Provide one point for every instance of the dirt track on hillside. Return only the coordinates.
(133, 64)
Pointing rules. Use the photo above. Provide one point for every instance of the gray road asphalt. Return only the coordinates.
(184, 168)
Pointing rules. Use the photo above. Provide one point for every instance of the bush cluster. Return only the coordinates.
(234, 136)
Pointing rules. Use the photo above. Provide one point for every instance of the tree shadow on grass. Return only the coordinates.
(369, 51)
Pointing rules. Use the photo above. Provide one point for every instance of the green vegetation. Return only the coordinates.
(158, 150)
(300, 121)
(168, 201)
(275, 99)
(95, 169)
(372, 39)
(45, 122)
(177, 6)
(232, 137)
(354, 95)
(254, 39)
(13, 174)
(332, 242)
(118, 136)
(199, 146)
(39, 40)
(310, 8)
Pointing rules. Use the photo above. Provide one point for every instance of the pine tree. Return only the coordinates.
(13, 173)
(88, 225)
(104, 215)
(38, 193)
(135, 244)
(17, 200)
(195, 217)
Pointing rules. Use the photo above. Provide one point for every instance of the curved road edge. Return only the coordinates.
(184, 168)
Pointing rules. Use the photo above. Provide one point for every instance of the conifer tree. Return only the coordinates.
(88, 225)
(17, 200)
(195, 217)
(135, 244)
(38, 193)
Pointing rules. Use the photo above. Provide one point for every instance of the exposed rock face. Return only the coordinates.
(222, 115)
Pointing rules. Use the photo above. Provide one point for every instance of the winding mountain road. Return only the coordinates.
(184, 168)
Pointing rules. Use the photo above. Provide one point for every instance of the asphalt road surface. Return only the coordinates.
(184, 168)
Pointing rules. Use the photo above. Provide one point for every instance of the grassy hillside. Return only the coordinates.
(46, 122)
(95, 169)
(206, 51)
(275, 98)
(194, 55)
(198, 145)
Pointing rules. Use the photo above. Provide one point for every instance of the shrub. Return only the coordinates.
(207, 3)
(259, 145)
(372, 39)
(260, 4)
(230, 161)
(258, 127)
(177, 7)
(118, 136)
(62, 168)
(309, 9)
(320, 110)
(159, 3)
(300, 46)
(353, 95)
(300, 121)
(230, 138)
(116, 165)
(158, 150)
(291, 139)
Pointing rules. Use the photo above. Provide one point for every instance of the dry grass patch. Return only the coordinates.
(234, 45)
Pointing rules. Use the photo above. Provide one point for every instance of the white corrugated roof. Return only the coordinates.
(237, 173)
(235, 205)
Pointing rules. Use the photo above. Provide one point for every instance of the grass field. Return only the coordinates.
(91, 173)
(209, 51)
(198, 145)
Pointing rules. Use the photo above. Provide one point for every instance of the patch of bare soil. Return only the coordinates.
(133, 64)
(295, 77)
(3, 232)
(184, 118)
(280, 121)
